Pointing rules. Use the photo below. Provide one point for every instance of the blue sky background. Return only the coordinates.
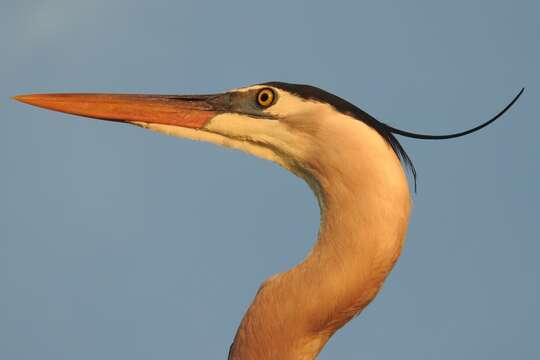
(119, 243)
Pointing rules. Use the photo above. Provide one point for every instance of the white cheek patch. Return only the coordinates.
(207, 135)
(244, 127)
(274, 134)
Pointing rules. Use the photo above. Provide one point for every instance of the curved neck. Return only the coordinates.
(364, 213)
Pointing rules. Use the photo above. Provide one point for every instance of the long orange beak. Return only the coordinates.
(186, 111)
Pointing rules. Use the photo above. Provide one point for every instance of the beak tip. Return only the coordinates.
(21, 98)
(32, 99)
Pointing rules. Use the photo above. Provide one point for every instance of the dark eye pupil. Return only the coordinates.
(264, 97)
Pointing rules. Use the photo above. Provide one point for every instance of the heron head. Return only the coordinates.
(286, 123)
(300, 127)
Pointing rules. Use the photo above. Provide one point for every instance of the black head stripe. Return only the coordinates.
(309, 92)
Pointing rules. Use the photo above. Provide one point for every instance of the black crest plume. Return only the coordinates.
(309, 92)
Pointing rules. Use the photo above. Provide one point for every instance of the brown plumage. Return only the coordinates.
(350, 160)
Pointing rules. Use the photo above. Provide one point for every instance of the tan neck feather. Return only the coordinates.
(365, 206)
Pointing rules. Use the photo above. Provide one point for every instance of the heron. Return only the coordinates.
(354, 165)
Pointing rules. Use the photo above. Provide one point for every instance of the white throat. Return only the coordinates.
(364, 198)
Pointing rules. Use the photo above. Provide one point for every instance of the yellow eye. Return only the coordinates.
(265, 97)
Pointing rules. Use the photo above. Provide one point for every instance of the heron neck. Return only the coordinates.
(364, 214)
